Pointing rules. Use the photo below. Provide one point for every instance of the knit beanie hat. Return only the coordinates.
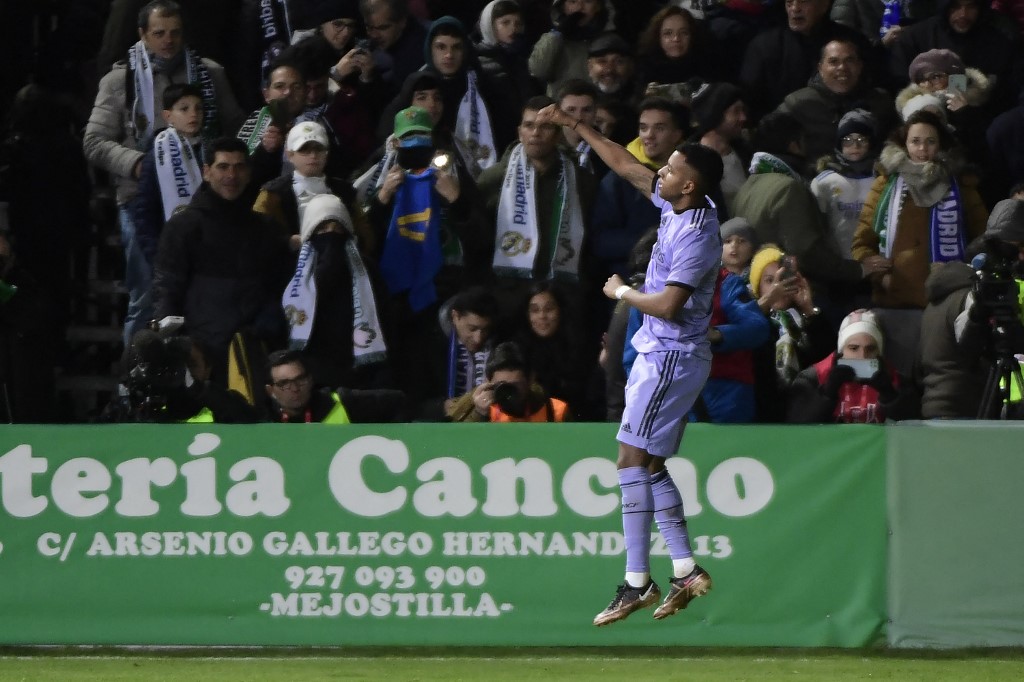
(320, 209)
(935, 61)
(739, 226)
(709, 102)
(859, 322)
(769, 253)
(923, 101)
(857, 121)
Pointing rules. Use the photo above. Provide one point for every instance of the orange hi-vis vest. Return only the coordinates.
(553, 411)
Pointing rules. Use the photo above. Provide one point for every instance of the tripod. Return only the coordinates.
(1004, 375)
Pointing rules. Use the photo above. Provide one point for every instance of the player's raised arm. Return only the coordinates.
(618, 159)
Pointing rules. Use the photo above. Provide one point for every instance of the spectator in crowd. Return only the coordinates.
(416, 215)
(474, 110)
(732, 26)
(719, 117)
(285, 198)
(172, 170)
(539, 234)
(622, 214)
(336, 22)
(801, 335)
(672, 50)
(124, 118)
(292, 397)
(832, 391)
(837, 87)
(610, 68)
(614, 120)
(738, 327)
(509, 394)
(963, 106)
(562, 52)
(777, 202)
(397, 39)
(548, 335)
(578, 98)
(780, 60)
(220, 265)
(845, 176)
(346, 110)
(964, 27)
(330, 302)
(504, 50)
(264, 131)
(920, 211)
(466, 323)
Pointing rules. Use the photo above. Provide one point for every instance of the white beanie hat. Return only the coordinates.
(321, 208)
(923, 101)
(860, 322)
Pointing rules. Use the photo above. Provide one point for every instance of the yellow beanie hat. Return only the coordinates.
(769, 253)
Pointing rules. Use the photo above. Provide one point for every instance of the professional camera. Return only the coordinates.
(158, 367)
(510, 399)
(995, 283)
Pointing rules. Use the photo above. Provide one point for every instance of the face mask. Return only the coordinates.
(415, 158)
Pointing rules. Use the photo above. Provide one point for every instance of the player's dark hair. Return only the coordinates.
(706, 161)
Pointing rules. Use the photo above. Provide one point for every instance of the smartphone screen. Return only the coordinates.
(862, 369)
(958, 82)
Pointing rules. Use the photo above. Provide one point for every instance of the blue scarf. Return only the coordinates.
(412, 249)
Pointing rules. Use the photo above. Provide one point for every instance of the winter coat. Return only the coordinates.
(857, 402)
(911, 251)
(223, 267)
(952, 376)
(819, 110)
(110, 141)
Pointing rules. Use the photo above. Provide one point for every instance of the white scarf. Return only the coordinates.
(143, 116)
(373, 179)
(473, 134)
(892, 219)
(583, 155)
(307, 188)
(177, 170)
(518, 236)
(299, 299)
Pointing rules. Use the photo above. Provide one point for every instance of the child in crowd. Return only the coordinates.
(172, 170)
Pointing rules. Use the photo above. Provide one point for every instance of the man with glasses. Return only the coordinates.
(397, 39)
(838, 87)
(292, 397)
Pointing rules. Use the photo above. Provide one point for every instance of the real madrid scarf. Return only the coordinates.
(473, 134)
(412, 253)
(275, 33)
(178, 170)
(946, 224)
(465, 369)
(299, 303)
(251, 132)
(143, 114)
(518, 231)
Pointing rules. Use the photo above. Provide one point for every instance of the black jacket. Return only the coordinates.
(223, 268)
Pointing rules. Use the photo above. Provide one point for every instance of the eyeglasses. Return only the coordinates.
(293, 383)
(934, 77)
(858, 140)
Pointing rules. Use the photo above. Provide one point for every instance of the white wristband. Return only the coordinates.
(621, 291)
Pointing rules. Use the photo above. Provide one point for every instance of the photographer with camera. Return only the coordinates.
(973, 315)
(854, 384)
(509, 394)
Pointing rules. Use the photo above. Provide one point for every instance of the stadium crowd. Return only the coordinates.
(355, 211)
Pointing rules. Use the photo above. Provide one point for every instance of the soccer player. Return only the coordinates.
(673, 362)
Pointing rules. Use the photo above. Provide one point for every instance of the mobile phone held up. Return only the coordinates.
(862, 369)
(957, 83)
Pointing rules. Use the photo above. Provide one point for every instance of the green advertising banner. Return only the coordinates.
(957, 551)
(471, 534)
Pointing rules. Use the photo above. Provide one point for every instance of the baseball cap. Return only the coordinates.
(305, 132)
(609, 43)
(413, 120)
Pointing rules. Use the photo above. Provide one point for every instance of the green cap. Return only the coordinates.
(413, 120)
